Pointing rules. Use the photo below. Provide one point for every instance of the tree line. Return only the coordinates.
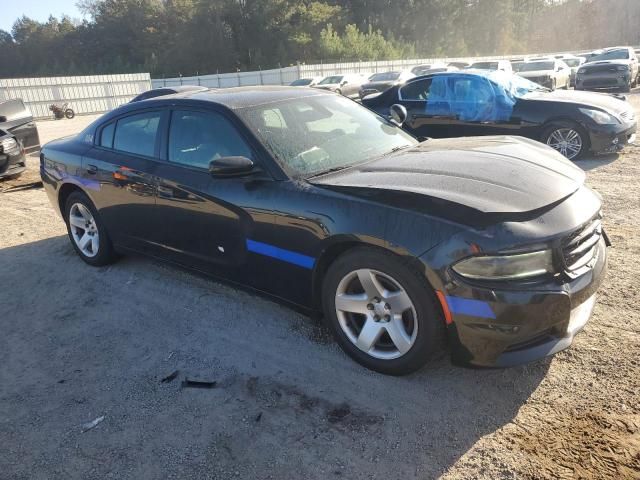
(171, 37)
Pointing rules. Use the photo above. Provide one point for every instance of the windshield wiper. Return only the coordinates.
(329, 170)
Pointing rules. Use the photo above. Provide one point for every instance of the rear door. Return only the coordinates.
(118, 173)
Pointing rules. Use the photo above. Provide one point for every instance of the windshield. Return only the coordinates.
(485, 65)
(312, 135)
(622, 54)
(331, 80)
(384, 77)
(533, 66)
(301, 83)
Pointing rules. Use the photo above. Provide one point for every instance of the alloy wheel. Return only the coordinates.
(567, 141)
(84, 230)
(376, 314)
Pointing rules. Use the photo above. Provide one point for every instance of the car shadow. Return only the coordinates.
(83, 342)
(591, 162)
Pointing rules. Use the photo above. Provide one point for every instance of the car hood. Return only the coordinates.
(383, 85)
(498, 175)
(607, 62)
(536, 73)
(580, 98)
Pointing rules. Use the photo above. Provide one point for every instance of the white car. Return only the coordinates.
(550, 73)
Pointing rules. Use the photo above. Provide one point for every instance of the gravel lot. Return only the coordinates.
(81, 343)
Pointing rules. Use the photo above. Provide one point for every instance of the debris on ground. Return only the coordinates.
(171, 377)
(186, 383)
(91, 425)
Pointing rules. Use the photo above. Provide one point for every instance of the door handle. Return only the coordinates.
(92, 169)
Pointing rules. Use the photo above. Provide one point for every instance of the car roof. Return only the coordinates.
(242, 97)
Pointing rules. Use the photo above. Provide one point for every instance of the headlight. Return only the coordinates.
(623, 68)
(601, 118)
(8, 144)
(506, 267)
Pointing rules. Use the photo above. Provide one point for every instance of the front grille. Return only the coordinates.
(579, 248)
(601, 82)
(600, 69)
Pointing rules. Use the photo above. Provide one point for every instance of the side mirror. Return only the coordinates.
(398, 114)
(343, 83)
(231, 166)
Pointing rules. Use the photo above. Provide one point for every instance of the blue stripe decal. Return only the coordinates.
(467, 306)
(281, 254)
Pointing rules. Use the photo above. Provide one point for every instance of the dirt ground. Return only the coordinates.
(81, 343)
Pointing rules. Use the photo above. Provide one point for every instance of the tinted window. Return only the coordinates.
(416, 90)
(196, 138)
(137, 133)
(611, 55)
(106, 137)
(303, 82)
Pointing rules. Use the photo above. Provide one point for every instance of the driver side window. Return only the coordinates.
(418, 90)
(197, 138)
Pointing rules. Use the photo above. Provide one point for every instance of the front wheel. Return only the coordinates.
(567, 138)
(69, 113)
(381, 313)
(88, 235)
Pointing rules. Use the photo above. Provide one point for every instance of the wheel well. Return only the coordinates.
(66, 190)
(323, 264)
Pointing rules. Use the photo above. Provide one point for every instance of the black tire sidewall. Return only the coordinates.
(555, 125)
(69, 113)
(106, 253)
(430, 338)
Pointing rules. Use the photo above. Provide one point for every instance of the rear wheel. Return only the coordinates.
(88, 235)
(381, 313)
(69, 113)
(568, 138)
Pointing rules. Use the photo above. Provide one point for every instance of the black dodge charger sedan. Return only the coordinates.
(497, 103)
(494, 243)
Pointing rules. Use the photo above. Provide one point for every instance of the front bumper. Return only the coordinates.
(11, 165)
(611, 138)
(603, 81)
(506, 327)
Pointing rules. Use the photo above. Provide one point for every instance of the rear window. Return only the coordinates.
(106, 136)
(137, 134)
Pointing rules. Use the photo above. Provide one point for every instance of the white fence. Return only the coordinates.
(85, 94)
(286, 75)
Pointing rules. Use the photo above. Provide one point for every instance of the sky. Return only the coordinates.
(36, 9)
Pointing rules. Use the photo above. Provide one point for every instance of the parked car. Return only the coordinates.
(379, 82)
(13, 160)
(548, 73)
(614, 69)
(344, 84)
(160, 91)
(16, 119)
(500, 65)
(315, 200)
(426, 71)
(427, 66)
(517, 66)
(459, 65)
(495, 103)
(305, 82)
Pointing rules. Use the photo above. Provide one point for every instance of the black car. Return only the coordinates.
(15, 118)
(18, 136)
(315, 200)
(161, 91)
(496, 103)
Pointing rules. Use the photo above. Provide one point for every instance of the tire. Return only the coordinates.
(69, 113)
(563, 126)
(419, 327)
(79, 208)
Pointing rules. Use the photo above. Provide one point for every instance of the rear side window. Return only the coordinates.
(197, 138)
(137, 134)
(106, 136)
